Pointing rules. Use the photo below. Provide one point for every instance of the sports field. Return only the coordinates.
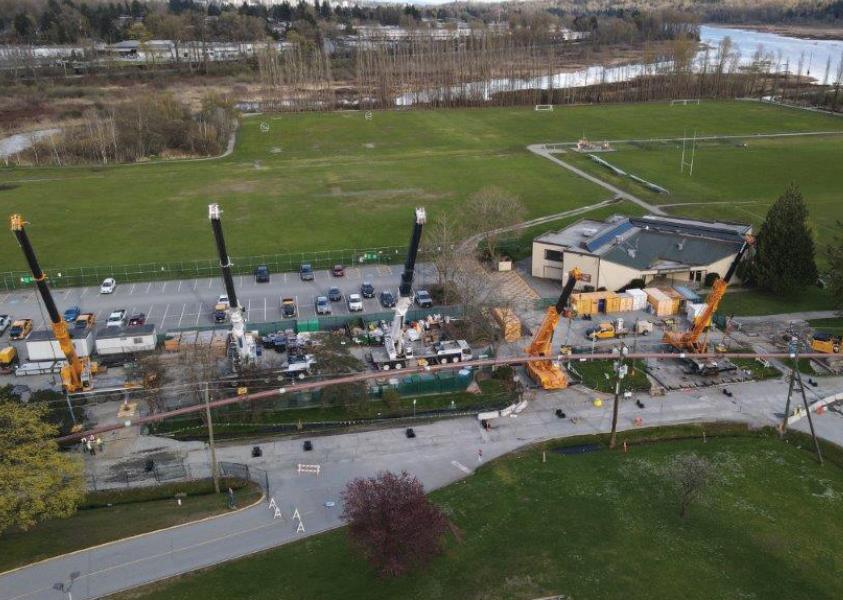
(598, 525)
(330, 181)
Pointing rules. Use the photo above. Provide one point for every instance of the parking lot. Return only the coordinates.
(190, 302)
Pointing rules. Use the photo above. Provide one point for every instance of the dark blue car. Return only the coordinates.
(72, 313)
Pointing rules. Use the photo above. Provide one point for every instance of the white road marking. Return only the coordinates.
(148, 285)
(164, 287)
(210, 282)
(198, 314)
(164, 318)
(149, 312)
(285, 277)
(461, 467)
(132, 289)
(84, 291)
(264, 308)
(183, 307)
(180, 282)
(249, 307)
(195, 283)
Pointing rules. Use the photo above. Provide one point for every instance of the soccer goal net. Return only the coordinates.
(685, 101)
(540, 107)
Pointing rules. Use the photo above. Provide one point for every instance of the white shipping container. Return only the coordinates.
(639, 299)
(126, 340)
(694, 310)
(41, 345)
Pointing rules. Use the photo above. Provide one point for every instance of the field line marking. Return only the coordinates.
(461, 467)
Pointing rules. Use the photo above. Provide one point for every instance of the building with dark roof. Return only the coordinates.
(620, 249)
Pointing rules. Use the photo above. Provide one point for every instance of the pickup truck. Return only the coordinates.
(288, 308)
(84, 321)
(262, 274)
(20, 329)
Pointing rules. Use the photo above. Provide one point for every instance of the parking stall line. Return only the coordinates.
(84, 293)
(195, 283)
(164, 318)
(148, 285)
(198, 314)
(149, 312)
(164, 287)
(183, 308)
(132, 289)
(210, 282)
(264, 309)
(285, 277)
(179, 288)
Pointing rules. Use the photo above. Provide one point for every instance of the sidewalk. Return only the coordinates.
(442, 452)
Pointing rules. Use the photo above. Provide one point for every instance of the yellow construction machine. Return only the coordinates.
(76, 374)
(826, 343)
(549, 373)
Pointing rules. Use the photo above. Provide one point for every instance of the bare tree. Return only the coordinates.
(154, 375)
(392, 522)
(690, 475)
(490, 211)
(443, 245)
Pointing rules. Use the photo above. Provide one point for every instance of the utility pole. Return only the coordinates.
(620, 372)
(795, 377)
(214, 469)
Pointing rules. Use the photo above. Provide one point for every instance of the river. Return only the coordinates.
(785, 54)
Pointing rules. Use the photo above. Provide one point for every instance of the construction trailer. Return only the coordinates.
(76, 373)
(43, 345)
(112, 341)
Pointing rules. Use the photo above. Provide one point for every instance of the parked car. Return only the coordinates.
(5, 321)
(323, 306)
(20, 329)
(387, 300)
(338, 271)
(423, 299)
(72, 313)
(262, 274)
(223, 299)
(117, 318)
(306, 272)
(367, 290)
(334, 294)
(288, 308)
(220, 312)
(355, 303)
(108, 285)
(137, 320)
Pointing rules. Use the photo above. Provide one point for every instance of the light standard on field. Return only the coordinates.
(414, 408)
(66, 587)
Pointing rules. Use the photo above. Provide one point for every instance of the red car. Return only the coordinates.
(338, 271)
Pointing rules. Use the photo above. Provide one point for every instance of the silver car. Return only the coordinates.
(355, 303)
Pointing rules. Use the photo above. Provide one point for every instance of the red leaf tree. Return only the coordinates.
(392, 522)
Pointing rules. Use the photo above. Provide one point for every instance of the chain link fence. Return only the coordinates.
(246, 265)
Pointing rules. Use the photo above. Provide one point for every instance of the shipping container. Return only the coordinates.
(42, 345)
(639, 299)
(127, 340)
(676, 298)
(688, 294)
(509, 323)
(626, 302)
(661, 304)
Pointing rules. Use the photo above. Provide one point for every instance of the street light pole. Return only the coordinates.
(620, 370)
(214, 469)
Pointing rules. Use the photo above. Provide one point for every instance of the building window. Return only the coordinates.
(554, 255)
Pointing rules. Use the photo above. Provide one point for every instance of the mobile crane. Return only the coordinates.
(243, 342)
(548, 373)
(693, 341)
(76, 374)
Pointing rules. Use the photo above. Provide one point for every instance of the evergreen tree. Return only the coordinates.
(835, 268)
(784, 257)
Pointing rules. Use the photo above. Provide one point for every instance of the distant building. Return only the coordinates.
(620, 249)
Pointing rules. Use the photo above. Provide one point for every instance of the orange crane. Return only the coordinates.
(76, 374)
(548, 373)
(693, 340)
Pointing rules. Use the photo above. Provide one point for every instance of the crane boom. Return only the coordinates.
(691, 341)
(394, 340)
(547, 373)
(245, 345)
(76, 374)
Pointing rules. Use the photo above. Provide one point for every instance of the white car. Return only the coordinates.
(5, 321)
(117, 318)
(355, 303)
(108, 286)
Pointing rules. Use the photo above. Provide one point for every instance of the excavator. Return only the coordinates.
(548, 373)
(76, 374)
(693, 341)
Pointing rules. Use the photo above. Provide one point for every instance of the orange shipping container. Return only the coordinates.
(675, 297)
(509, 322)
(661, 304)
(625, 302)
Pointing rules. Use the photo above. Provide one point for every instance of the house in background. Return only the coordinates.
(616, 251)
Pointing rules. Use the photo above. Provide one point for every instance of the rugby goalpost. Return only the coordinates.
(544, 107)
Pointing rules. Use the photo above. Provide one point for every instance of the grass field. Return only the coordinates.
(132, 512)
(755, 302)
(332, 181)
(599, 525)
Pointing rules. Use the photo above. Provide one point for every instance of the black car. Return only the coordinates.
(262, 274)
(306, 272)
(334, 294)
(367, 290)
(137, 320)
(387, 300)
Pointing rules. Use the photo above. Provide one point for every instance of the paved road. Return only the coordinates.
(541, 150)
(190, 302)
(443, 452)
